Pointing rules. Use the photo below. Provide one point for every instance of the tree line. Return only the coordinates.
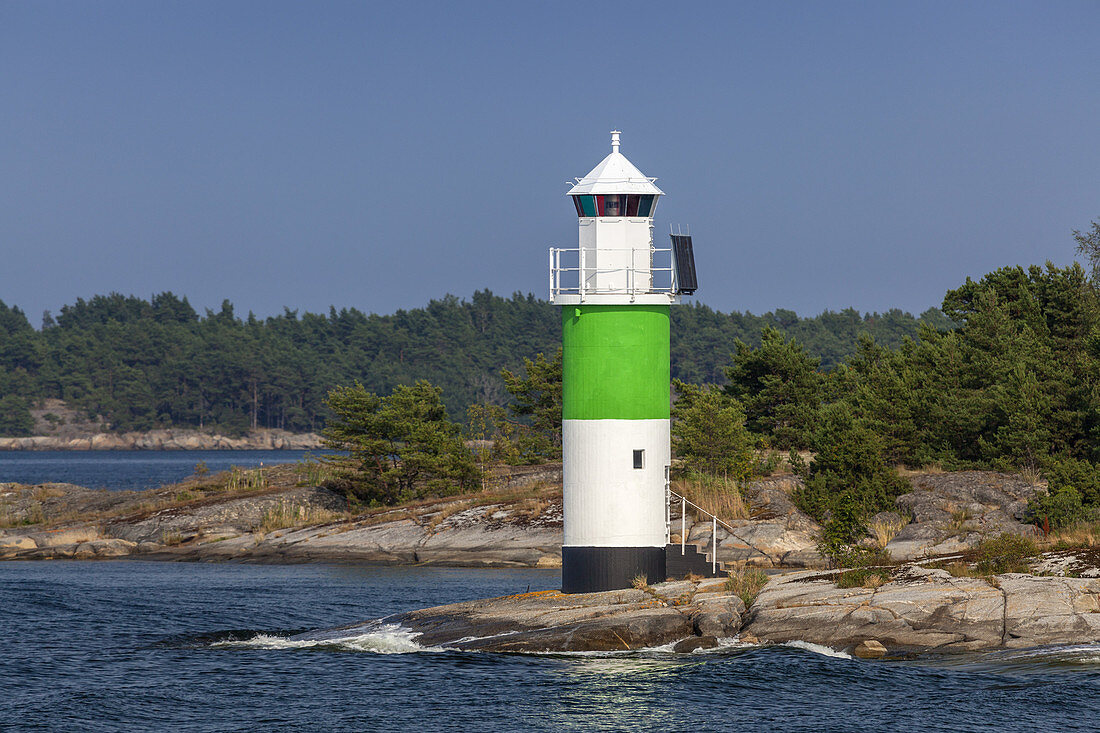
(144, 364)
(1014, 385)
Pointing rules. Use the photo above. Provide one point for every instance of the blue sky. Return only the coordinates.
(380, 154)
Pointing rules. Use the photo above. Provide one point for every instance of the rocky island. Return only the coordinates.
(919, 610)
(921, 603)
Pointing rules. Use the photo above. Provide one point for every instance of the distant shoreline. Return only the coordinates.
(170, 439)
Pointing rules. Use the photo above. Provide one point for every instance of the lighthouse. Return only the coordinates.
(616, 288)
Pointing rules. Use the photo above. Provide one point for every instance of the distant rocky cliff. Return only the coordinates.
(167, 440)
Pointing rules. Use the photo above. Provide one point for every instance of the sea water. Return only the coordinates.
(129, 469)
(131, 645)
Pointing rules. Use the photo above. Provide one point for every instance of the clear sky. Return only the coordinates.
(379, 154)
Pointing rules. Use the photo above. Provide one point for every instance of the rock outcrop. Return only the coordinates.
(920, 610)
(305, 524)
(926, 609)
(549, 621)
(951, 512)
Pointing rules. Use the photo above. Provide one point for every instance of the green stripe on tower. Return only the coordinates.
(616, 362)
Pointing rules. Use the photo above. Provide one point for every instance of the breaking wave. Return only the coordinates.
(818, 649)
(379, 639)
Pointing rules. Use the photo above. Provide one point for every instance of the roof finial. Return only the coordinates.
(615, 141)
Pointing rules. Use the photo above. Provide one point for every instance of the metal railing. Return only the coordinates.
(635, 278)
(714, 522)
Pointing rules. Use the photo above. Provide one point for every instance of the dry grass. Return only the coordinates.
(1083, 534)
(868, 577)
(285, 515)
(873, 581)
(246, 480)
(959, 524)
(40, 493)
(12, 517)
(885, 530)
(963, 569)
(925, 470)
(1031, 475)
(448, 510)
(718, 496)
(530, 508)
(960, 569)
(36, 514)
(746, 584)
(640, 582)
(531, 499)
(527, 501)
(171, 539)
(312, 472)
(7, 517)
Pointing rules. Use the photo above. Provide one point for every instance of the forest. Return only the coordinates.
(1013, 386)
(145, 364)
(1005, 377)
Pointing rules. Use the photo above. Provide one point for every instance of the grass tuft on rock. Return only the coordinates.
(746, 584)
(884, 530)
(285, 515)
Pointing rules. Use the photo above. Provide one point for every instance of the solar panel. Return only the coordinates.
(686, 281)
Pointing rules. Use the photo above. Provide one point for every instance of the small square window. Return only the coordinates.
(639, 459)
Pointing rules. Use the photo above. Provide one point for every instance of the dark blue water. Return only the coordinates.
(188, 647)
(128, 469)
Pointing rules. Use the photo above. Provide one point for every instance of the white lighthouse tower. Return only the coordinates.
(615, 290)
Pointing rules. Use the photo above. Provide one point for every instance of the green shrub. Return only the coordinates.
(1073, 493)
(779, 387)
(1057, 509)
(15, 416)
(848, 479)
(863, 578)
(1007, 553)
(853, 556)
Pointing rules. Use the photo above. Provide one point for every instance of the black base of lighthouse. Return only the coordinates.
(592, 569)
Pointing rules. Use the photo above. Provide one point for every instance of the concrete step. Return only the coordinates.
(678, 564)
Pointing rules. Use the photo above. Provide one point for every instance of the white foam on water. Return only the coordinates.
(734, 642)
(818, 649)
(1083, 654)
(385, 639)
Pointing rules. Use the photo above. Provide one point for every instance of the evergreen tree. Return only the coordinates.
(849, 478)
(779, 386)
(538, 396)
(709, 435)
(403, 446)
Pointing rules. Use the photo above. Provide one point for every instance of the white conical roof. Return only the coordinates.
(615, 174)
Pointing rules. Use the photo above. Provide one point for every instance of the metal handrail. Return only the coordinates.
(714, 522)
(585, 273)
(613, 249)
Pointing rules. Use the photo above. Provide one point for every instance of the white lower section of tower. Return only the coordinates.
(608, 502)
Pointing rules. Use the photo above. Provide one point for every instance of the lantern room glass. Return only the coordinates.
(616, 205)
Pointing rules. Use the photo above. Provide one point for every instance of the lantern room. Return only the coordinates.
(616, 204)
(615, 260)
